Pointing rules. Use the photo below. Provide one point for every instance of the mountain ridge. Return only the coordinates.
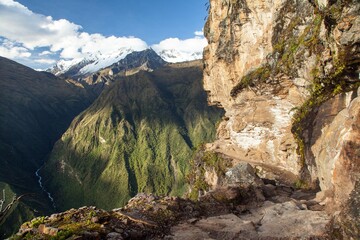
(138, 136)
(35, 109)
(83, 67)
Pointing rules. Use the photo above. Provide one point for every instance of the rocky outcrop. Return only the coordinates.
(284, 214)
(287, 73)
(242, 35)
(334, 145)
(262, 223)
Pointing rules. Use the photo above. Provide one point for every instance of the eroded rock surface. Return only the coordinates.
(287, 74)
(271, 221)
(283, 214)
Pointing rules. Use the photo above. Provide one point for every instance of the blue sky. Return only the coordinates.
(150, 20)
(38, 33)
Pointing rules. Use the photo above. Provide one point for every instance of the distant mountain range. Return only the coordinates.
(147, 115)
(146, 60)
(137, 136)
(86, 66)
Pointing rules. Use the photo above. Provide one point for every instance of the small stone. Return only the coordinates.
(242, 175)
(53, 217)
(43, 229)
(95, 219)
(151, 198)
(188, 209)
(135, 234)
(25, 230)
(114, 236)
(259, 195)
(118, 209)
(316, 207)
(91, 235)
(303, 206)
(192, 220)
(344, 26)
(119, 230)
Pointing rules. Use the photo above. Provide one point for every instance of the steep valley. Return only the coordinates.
(35, 109)
(138, 136)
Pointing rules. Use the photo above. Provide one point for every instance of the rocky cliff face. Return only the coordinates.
(242, 37)
(286, 73)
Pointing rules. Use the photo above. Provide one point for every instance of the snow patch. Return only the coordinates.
(174, 56)
(63, 66)
(93, 62)
(101, 61)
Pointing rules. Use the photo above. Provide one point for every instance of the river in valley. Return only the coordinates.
(37, 173)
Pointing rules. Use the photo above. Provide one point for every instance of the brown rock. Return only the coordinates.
(242, 175)
(43, 229)
(269, 190)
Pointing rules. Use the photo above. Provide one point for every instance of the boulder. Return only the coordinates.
(242, 175)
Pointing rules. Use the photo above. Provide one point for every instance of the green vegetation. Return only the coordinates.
(301, 184)
(37, 221)
(201, 162)
(256, 77)
(11, 218)
(35, 109)
(62, 235)
(136, 137)
(288, 51)
(322, 89)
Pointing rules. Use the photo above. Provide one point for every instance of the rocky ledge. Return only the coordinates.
(261, 210)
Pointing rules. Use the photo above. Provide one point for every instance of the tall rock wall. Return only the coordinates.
(242, 38)
(287, 73)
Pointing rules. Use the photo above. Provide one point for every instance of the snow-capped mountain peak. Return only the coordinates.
(91, 63)
(174, 55)
(83, 67)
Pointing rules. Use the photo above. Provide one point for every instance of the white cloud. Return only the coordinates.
(44, 53)
(188, 45)
(31, 30)
(199, 33)
(19, 24)
(11, 50)
(25, 32)
(178, 50)
(45, 61)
